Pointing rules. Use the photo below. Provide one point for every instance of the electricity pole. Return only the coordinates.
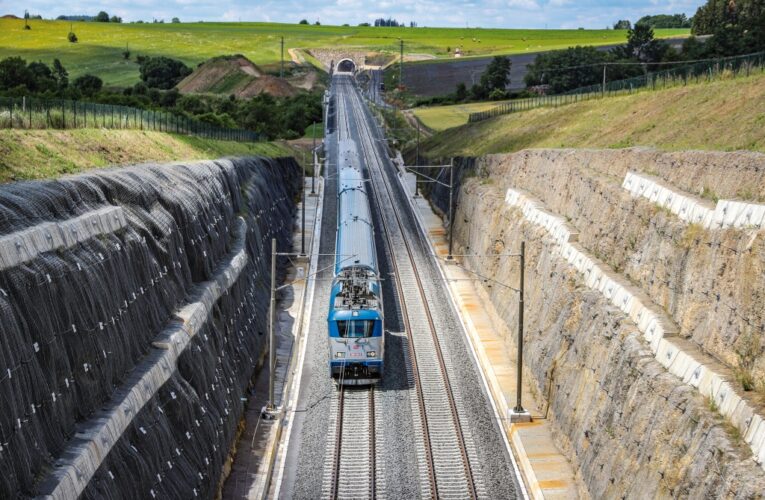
(401, 66)
(518, 406)
(417, 162)
(313, 158)
(451, 206)
(281, 70)
(604, 80)
(271, 314)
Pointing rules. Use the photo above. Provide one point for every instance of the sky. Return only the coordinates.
(452, 13)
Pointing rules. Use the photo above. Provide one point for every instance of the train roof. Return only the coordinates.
(355, 230)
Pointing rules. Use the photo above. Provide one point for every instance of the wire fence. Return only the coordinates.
(33, 113)
(706, 71)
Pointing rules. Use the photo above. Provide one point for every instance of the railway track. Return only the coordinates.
(353, 471)
(444, 447)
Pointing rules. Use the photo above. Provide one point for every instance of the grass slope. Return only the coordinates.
(723, 115)
(99, 50)
(440, 118)
(40, 154)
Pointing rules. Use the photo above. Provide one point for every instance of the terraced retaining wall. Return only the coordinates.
(134, 310)
(628, 419)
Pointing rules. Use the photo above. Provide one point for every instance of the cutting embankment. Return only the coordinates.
(134, 305)
(42, 154)
(722, 115)
(645, 333)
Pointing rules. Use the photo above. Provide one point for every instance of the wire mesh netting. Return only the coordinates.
(78, 323)
(35, 113)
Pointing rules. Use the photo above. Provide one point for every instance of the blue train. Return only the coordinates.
(355, 320)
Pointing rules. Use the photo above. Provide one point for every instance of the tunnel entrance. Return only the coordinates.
(346, 66)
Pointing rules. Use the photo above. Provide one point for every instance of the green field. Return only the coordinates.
(442, 117)
(100, 46)
(723, 115)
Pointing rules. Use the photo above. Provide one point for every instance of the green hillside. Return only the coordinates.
(100, 46)
(40, 154)
(723, 115)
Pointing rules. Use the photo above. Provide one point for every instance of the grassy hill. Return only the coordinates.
(723, 115)
(100, 46)
(39, 154)
(235, 75)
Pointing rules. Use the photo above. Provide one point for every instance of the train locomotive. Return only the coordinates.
(355, 319)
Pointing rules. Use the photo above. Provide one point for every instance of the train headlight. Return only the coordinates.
(339, 354)
(371, 354)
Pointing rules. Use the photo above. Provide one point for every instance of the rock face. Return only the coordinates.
(131, 323)
(629, 426)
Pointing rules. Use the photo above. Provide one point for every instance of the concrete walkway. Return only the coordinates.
(546, 471)
(256, 450)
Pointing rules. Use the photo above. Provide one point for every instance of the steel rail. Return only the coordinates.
(449, 390)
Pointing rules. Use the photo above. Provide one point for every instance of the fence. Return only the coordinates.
(32, 113)
(700, 71)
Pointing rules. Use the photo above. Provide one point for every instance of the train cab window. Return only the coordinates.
(355, 328)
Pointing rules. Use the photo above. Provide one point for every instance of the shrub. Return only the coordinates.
(163, 72)
(71, 37)
(88, 84)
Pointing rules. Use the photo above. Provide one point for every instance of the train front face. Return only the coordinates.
(356, 345)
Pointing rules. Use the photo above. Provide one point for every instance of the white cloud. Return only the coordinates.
(523, 4)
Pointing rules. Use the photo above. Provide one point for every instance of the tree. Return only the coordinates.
(126, 52)
(666, 21)
(102, 17)
(60, 75)
(496, 76)
(317, 23)
(622, 24)
(175, 20)
(162, 72)
(563, 70)
(71, 37)
(42, 77)
(461, 93)
(14, 72)
(642, 46)
(303, 21)
(115, 19)
(88, 84)
(737, 27)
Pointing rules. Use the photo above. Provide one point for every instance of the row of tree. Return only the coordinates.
(274, 118)
(734, 28)
(104, 17)
(660, 21)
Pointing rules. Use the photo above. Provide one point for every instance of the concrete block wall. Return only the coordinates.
(725, 214)
(679, 357)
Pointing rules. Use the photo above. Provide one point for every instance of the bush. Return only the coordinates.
(14, 72)
(88, 84)
(71, 37)
(163, 72)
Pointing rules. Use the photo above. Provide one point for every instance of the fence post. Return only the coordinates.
(63, 114)
(30, 114)
(47, 114)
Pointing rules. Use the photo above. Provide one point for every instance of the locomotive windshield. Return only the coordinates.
(355, 328)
